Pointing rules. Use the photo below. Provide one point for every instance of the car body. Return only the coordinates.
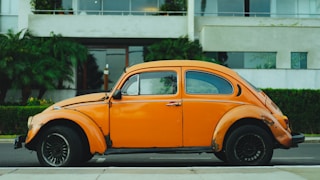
(165, 106)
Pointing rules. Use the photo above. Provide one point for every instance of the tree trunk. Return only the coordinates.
(26, 92)
(5, 85)
(42, 91)
(3, 93)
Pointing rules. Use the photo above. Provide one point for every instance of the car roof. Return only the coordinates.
(182, 63)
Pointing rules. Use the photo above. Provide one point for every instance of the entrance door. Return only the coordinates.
(116, 58)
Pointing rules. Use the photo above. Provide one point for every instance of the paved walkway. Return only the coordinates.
(186, 173)
(183, 173)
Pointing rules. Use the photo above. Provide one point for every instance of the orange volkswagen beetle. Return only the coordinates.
(164, 106)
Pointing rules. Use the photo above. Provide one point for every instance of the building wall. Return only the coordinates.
(260, 34)
(93, 26)
(282, 79)
(282, 40)
(280, 33)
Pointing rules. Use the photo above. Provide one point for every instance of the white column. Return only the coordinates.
(75, 6)
(191, 20)
(24, 11)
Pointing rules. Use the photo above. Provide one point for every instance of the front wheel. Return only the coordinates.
(249, 145)
(59, 146)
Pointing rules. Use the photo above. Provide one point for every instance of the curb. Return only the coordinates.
(312, 140)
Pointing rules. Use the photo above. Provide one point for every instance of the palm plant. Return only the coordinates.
(28, 62)
(67, 55)
(180, 48)
(14, 60)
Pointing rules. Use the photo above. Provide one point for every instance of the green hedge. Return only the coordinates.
(13, 119)
(301, 106)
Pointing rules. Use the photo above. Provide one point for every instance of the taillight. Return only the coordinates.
(287, 122)
(287, 125)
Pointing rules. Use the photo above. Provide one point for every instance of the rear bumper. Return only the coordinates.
(296, 139)
(18, 142)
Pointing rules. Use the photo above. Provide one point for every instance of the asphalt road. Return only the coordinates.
(306, 154)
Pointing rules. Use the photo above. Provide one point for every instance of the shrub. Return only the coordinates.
(301, 106)
(39, 102)
(13, 119)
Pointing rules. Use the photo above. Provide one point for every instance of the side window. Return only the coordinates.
(205, 83)
(130, 87)
(151, 83)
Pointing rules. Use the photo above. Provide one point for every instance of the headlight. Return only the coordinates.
(30, 122)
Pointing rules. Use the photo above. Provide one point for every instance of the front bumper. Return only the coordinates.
(296, 139)
(18, 142)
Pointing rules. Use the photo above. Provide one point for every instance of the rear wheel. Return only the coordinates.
(59, 146)
(249, 145)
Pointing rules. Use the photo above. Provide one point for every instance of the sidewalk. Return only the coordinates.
(145, 173)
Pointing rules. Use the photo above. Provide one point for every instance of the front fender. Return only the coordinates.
(249, 112)
(95, 137)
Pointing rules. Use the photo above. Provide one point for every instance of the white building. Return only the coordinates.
(272, 43)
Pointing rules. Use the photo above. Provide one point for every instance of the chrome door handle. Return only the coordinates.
(173, 104)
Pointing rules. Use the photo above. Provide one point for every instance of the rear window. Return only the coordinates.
(205, 83)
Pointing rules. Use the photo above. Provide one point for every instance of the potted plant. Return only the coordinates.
(42, 6)
(173, 5)
(59, 10)
(70, 11)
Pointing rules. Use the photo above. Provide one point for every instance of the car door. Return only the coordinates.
(207, 96)
(149, 113)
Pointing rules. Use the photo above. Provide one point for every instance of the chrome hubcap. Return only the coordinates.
(55, 149)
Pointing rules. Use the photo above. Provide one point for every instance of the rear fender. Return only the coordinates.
(248, 112)
(94, 135)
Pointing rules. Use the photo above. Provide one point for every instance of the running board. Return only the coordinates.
(159, 150)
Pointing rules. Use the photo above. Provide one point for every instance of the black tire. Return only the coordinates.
(86, 157)
(59, 146)
(221, 155)
(249, 145)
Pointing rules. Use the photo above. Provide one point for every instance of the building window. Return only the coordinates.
(299, 60)
(245, 60)
(135, 55)
(116, 7)
(120, 7)
(232, 7)
(259, 8)
(9, 15)
(296, 8)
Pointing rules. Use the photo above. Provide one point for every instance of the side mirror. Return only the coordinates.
(117, 94)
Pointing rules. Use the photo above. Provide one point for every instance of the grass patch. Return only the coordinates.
(8, 136)
(312, 135)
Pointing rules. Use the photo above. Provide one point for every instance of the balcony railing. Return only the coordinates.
(259, 14)
(121, 13)
(177, 13)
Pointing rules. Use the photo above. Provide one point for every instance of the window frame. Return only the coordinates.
(211, 74)
(139, 79)
(301, 65)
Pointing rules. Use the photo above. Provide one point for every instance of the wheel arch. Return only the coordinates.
(88, 131)
(237, 117)
(58, 122)
(248, 121)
